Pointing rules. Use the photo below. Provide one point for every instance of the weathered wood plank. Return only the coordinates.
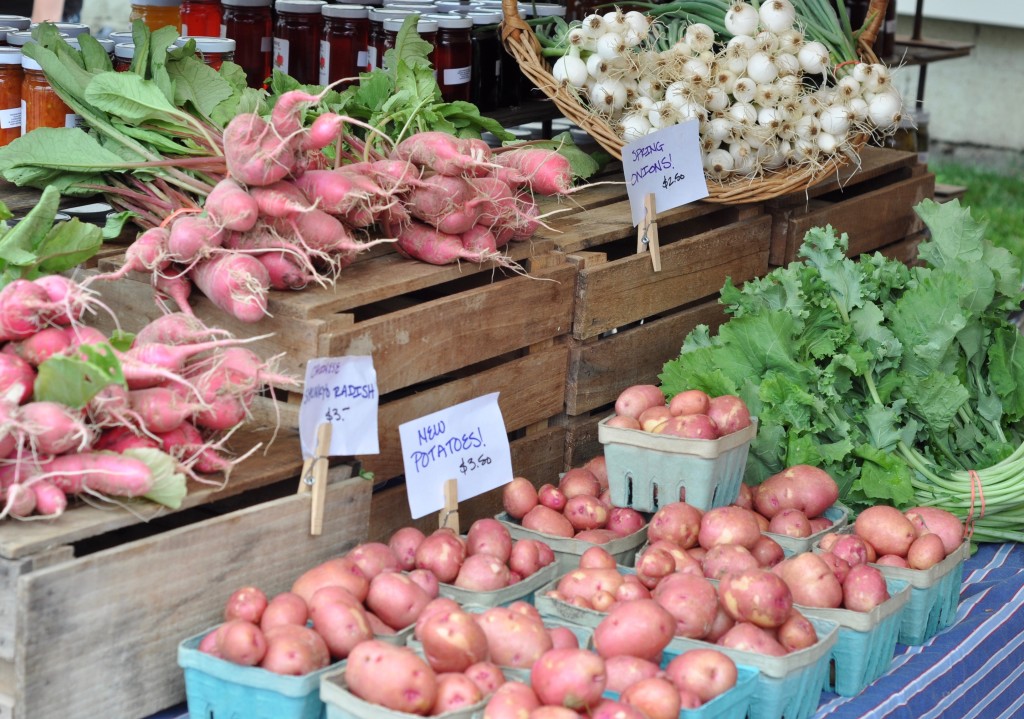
(98, 636)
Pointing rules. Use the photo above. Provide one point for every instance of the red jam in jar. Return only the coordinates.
(200, 18)
(425, 28)
(346, 34)
(453, 56)
(250, 24)
(297, 31)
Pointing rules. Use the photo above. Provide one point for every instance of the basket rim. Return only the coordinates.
(521, 42)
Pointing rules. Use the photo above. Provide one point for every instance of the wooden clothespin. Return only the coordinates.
(647, 232)
(449, 516)
(314, 477)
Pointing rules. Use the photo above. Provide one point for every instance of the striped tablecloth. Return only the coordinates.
(975, 668)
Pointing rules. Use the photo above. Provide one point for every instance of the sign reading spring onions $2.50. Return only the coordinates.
(668, 164)
(466, 442)
(343, 392)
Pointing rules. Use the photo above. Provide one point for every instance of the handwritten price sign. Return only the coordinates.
(343, 392)
(668, 164)
(466, 442)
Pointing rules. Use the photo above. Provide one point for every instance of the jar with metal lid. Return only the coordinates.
(41, 106)
(458, 6)
(11, 77)
(21, 38)
(68, 29)
(427, 29)
(108, 46)
(200, 18)
(124, 53)
(213, 51)
(422, 8)
(250, 24)
(18, 22)
(346, 35)
(297, 30)
(453, 56)
(156, 14)
(121, 36)
(485, 84)
(375, 45)
(4, 29)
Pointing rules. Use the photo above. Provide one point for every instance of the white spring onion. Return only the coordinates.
(742, 45)
(879, 79)
(744, 89)
(767, 95)
(643, 104)
(652, 88)
(716, 99)
(827, 143)
(690, 109)
(862, 71)
(632, 38)
(638, 22)
(743, 157)
(777, 15)
(791, 41)
(580, 39)
(761, 68)
(594, 25)
(787, 130)
(635, 125)
(724, 79)
(789, 85)
(719, 163)
(787, 64)
(720, 128)
(741, 19)
(767, 41)
(742, 113)
(884, 110)
(708, 144)
(769, 117)
(858, 109)
(610, 46)
(807, 127)
(697, 72)
(597, 67)
(835, 120)
(570, 69)
(662, 114)
(608, 96)
(678, 92)
(813, 58)
(790, 109)
(615, 21)
(699, 37)
(847, 89)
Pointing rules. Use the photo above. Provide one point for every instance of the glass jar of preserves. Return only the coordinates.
(453, 56)
(124, 53)
(346, 35)
(425, 28)
(297, 30)
(68, 29)
(375, 45)
(156, 14)
(250, 24)
(213, 51)
(11, 76)
(18, 22)
(121, 36)
(485, 84)
(200, 18)
(4, 29)
(41, 106)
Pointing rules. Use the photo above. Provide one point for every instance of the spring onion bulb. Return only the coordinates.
(719, 163)
(813, 58)
(571, 70)
(777, 16)
(884, 110)
(741, 19)
(761, 68)
(699, 37)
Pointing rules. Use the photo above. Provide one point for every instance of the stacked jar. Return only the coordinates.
(297, 30)
(426, 28)
(18, 22)
(375, 44)
(156, 14)
(41, 106)
(11, 77)
(124, 53)
(251, 25)
(343, 45)
(200, 18)
(488, 56)
(453, 56)
(213, 51)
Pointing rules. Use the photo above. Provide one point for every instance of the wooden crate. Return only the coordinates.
(873, 204)
(95, 603)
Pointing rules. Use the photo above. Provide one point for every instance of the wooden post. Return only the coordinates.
(450, 514)
(314, 477)
(647, 232)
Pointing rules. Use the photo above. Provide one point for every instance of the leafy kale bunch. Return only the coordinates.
(899, 381)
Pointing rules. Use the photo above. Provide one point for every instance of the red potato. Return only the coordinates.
(691, 401)
(599, 467)
(811, 580)
(442, 552)
(623, 422)
(372, 558)
(294, 650)
(797, 633)
(708, 673)
(602, 601)
(689, 426)
(641, 628)
(745, 498)
(550, 712)
(489, 536)
(585, 512)
(597, 558)
(728, 525)
(246, 603)
(452, 641)
(721, 624)
(625, 521)
(653, 417)
(790, 523)
(487, 676)
(426, 580)
(585, 583)
(408, 685)
(633, 400)
(342, 624)
(341, 572)
(892, 560)
(850, 548)
(687, 561)
(801, 486)
(513, 639)
(512, 700)
(729, 413)
(820, 524)
(725, 558)
(404, 543)
(548, 521)
(624, 671)
(748, 637)
(284, 608)
(677, 522)
(455, 692)
(527, 609)
(839, 567)
(938, 521)
(768, 552)
(691, 600)
(573, 678)
(563, 638)
(756, 596)
(864, 588)
(653, 565)
(483, 573)
(596, 536)
(628, 591)
(242, 642)
(886, 529)
(209, 644)
(656, 698)
(579, 481)
(551, 497)
(518, 497)
(611, 709)
(396, 599)
(438, 605)
(524, 558)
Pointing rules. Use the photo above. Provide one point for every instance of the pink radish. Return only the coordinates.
(110, 408)
(193, 237)
(545, 171)
(479, 239)
(172, 357)
(67, 294)
(284, 273)
(44, 344)
(443, 153)
(187, 445)
(52, 428)
(50, 500)
(422, 242)
(255, 153)
(280, 199)
(79, 335)
(338, 192)
(16, 371)
(147, 254)
(236, 283)
(176, 287)
(231, 206)
(161, 409)
(19, 501)
(286, 117)
(108, 473)
(175, 328)
(324, 130)
(25, 308)
(118, 439)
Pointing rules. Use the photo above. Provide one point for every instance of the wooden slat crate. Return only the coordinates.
(873, 205)
(93, 613)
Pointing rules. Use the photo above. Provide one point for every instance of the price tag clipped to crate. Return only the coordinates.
(663, 170)
(337, 417)
(468, 442)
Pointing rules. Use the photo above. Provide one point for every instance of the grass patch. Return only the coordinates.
(993, 197)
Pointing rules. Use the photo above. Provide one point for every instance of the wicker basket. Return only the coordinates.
(522, 44)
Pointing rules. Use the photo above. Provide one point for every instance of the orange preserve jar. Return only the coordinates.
(156, 14)
(41, 106)
(11, 76)
(200, 18)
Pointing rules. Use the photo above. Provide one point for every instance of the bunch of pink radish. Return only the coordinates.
(186, 387)
(281, 219)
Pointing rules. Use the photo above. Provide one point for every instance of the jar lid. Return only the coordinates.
(18, 22)
(544, 9)
(421, 8)
(300, 6)
(24, 37)
(452, 22)
(124, 50)
(247, 3)
(28, 63)
(422, 26)
(454, 6)
(71, 29)
(486, 17)
(357, 12)
(206, 43)
(382, 14)
(10, 56)
(121, 36)
(156, 3)
(107, 44)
